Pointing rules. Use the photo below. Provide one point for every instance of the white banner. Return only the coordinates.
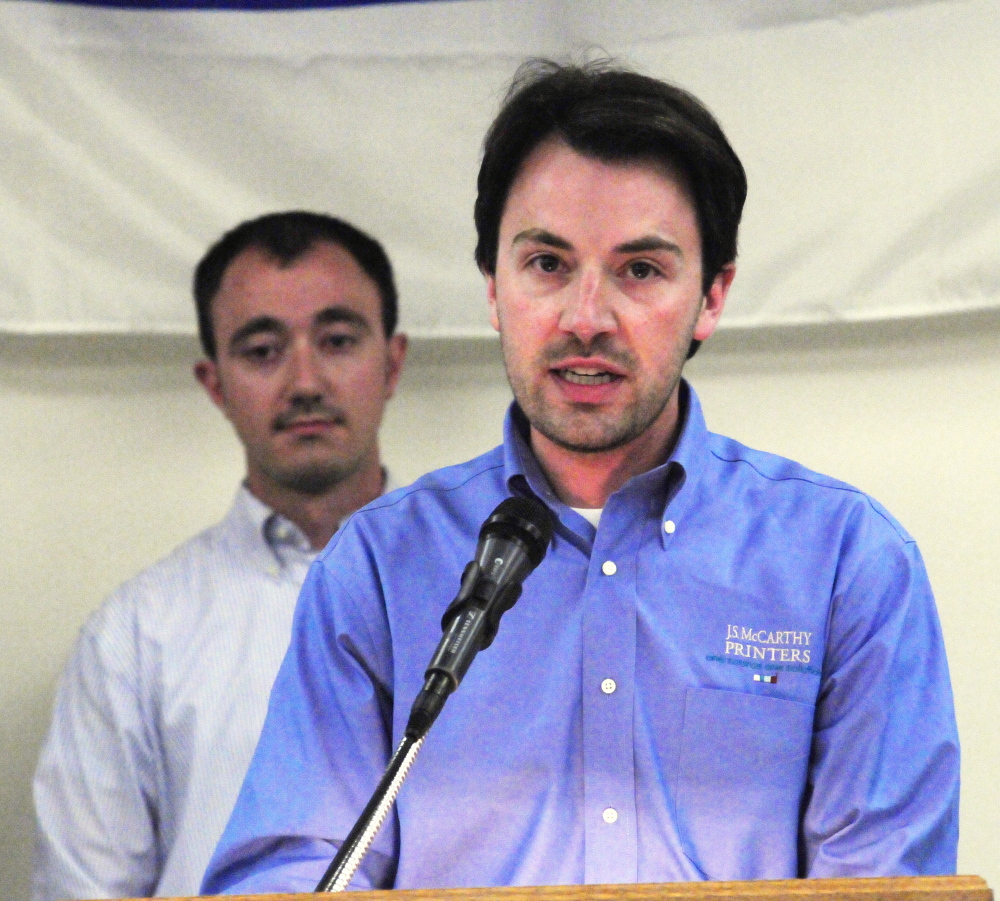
(133, 138)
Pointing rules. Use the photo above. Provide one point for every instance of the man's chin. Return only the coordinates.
(594, 430)
(586, 440)
(314, 480)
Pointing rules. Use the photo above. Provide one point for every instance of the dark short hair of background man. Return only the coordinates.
(161, 703)
(727, 666)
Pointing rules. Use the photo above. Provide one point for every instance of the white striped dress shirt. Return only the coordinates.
(159, 709)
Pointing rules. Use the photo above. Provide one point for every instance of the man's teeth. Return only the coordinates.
(587, 376)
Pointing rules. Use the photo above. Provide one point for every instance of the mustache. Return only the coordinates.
(602, 345)
(307, 408)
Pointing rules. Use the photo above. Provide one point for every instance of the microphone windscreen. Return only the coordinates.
(523, 518)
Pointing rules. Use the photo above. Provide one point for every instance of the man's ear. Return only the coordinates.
(491, 298)
(207, 372)
(714, 302)
(395, 357)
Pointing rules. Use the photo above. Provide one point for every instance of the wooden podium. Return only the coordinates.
(900, 888)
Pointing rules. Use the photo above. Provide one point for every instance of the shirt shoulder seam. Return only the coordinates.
(387, 501)
(390, 500)
(903, 536)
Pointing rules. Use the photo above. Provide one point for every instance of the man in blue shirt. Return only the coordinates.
(726, 667)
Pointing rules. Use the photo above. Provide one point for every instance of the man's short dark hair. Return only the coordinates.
(287, 237)
(613, 115)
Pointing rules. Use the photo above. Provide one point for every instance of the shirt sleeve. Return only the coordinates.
(884, 772)
(325, 743)
(94, 794)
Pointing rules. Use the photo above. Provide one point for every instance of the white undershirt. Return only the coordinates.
(591, 514)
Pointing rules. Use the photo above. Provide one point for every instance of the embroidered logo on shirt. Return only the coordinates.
(768, 650)
(770, 646)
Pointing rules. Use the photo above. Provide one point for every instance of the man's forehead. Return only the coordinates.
(324, 285)
(631, 202)
(322, 259)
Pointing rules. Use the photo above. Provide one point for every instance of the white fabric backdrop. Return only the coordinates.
(131, 139)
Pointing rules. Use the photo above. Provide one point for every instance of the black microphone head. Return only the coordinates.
(525, 519)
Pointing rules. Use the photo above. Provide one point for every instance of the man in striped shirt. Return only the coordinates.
(161, 704)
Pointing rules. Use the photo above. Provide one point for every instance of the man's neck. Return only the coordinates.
(319, 516)
(588, 479)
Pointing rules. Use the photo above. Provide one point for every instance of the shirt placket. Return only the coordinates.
(609, 634)
(292, 554)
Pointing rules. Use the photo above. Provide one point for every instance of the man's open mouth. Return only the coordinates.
(578, 376)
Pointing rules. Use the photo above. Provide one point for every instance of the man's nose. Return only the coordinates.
(589, 309)
(304, 374)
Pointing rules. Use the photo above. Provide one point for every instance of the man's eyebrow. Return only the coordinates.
(541, 236)
(345, 315)
(255, 326)
(647, 243)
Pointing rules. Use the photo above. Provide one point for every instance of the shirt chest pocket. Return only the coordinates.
(741, 780)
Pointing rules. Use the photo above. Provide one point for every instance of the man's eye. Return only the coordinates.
(259, 353)
(547, 262)
(340, 341)
(641, 270)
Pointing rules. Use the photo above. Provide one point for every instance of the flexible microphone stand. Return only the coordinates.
(512, 543)
(340, 873)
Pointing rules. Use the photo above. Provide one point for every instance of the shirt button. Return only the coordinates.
(610, 815)
(609, 568)
(669, 527)
(608, 686)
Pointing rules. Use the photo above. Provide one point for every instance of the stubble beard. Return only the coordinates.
(587, 430)
(320, 472)
(327, 469)
(312, 479)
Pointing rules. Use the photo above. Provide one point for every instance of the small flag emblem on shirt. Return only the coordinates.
(771, 680)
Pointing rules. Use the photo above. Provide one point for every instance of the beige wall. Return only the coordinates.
(112, 456)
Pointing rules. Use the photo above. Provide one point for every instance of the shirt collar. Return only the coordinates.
(672, 480)
(278, 538)
(692, 445)
(522, 472)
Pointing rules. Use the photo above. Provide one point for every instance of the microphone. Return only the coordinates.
(512, 542)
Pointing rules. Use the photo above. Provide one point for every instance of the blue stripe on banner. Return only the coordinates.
(247, 5)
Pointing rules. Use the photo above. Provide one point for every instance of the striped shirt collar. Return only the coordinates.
(283, 541)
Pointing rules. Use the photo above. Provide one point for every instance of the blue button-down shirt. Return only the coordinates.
(738, 675)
